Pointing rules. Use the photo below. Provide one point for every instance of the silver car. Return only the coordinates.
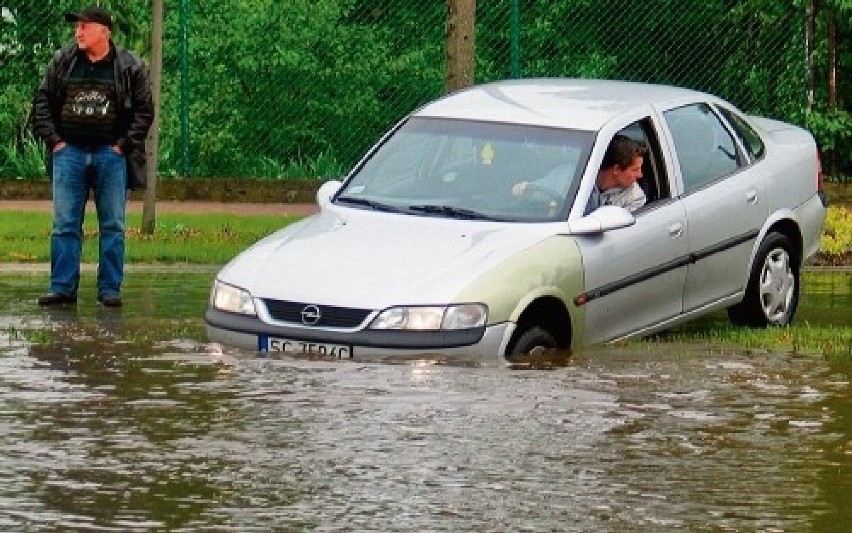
(425, 247)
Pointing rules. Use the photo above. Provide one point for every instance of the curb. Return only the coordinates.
(176, 206)
(44, 268)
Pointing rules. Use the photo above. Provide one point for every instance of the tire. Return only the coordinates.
(772, 293)
(531, 341)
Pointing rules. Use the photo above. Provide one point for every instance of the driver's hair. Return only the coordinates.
(621, 151)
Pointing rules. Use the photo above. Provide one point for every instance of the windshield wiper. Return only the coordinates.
(378, 206)
(452, 211)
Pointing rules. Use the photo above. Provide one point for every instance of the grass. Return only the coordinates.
(215, 239)
(178, 238)
(24, 159)
(21, 159)
(803, 339)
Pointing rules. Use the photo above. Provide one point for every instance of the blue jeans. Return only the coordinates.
(77, 170)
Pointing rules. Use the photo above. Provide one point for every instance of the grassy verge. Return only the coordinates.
(798, 339)
(216, 238)
(179, 238)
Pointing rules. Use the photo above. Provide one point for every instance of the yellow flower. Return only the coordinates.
(837, 234)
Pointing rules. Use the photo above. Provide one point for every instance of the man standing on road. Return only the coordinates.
(93, 110)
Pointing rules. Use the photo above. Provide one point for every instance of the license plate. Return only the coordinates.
(278, 344)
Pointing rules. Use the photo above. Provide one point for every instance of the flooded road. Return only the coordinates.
(127, 420)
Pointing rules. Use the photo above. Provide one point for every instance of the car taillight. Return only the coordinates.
(819, 172)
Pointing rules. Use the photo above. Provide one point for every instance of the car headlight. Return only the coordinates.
(432, 318)
(232, 299)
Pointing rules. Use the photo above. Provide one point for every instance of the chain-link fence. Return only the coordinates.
(300, 88)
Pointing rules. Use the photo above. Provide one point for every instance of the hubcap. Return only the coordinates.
(777, 286)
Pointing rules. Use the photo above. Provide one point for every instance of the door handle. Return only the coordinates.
(675, 230)
(751, 197)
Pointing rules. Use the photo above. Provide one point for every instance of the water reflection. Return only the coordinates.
(826, 299)
(129, 421)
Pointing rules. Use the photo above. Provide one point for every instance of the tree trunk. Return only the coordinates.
(149, 216)
(461, 18)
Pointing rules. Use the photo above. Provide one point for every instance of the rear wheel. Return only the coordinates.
(772, 293)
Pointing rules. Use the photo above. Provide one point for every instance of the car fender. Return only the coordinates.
(239, 269)
(784, 217)
(552, 268)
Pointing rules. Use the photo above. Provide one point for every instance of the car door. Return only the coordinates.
(724, 200)
(634, 276)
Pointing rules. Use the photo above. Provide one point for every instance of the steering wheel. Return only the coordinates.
(533, 190)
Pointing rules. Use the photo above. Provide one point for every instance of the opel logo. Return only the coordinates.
(310, 315)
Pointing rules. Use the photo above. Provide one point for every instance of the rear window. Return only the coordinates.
(705, 148)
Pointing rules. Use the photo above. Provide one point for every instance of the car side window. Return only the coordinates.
(750, 139)
(654, 181)
(705, 149)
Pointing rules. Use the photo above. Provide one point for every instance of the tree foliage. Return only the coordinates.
(274, 82)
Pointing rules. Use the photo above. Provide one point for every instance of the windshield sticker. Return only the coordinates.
(487, 154)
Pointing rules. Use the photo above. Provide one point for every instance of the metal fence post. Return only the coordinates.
(184, 87)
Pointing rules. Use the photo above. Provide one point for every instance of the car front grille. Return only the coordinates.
(303, 313)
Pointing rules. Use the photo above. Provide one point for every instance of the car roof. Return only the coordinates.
(556, 102)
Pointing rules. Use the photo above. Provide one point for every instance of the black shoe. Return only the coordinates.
(110, 301)
(56, 298)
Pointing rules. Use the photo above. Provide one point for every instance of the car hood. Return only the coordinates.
(355, 258)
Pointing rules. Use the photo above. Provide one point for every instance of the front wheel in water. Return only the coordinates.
(533, 341)
(772, 293)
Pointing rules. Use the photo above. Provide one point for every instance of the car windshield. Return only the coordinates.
(472, 170)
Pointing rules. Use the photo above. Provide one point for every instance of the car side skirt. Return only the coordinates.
(682, 318)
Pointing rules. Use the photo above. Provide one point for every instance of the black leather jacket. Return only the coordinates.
(133, 93)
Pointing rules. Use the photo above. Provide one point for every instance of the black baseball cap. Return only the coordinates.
(91, 14)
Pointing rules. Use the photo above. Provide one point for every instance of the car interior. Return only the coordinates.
(654, 180)
(705, 149)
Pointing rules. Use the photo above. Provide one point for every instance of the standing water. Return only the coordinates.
(127, 420)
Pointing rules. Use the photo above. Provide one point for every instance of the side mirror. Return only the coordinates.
(326, 191)
(605, 218)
